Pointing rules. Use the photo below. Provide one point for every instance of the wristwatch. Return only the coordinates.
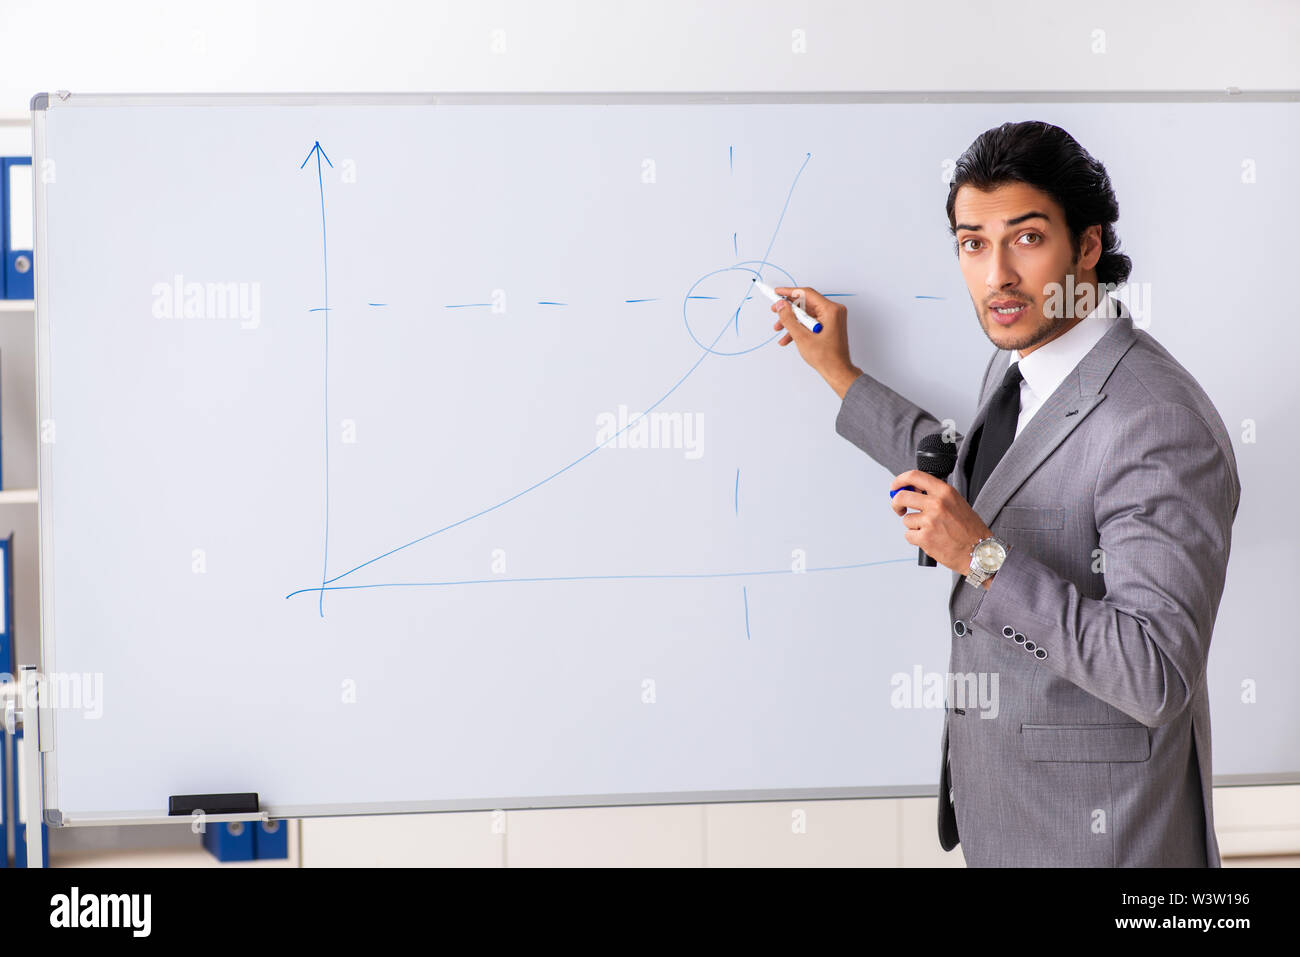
(986, 558)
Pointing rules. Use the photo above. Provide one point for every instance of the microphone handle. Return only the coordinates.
(924, 459)
(922, 559)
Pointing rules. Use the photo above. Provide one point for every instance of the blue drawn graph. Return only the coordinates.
(753, 267)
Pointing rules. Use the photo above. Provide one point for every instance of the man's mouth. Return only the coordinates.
(1007, 311)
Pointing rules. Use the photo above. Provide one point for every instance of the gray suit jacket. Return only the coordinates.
(1117, 501)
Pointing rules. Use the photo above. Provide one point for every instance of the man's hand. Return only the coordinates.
(946, 528)
(826, 351)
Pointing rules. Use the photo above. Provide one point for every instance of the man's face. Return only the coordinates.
(1012, 245)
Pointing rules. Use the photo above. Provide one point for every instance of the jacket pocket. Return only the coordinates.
(1086, 742)
(1030, 516)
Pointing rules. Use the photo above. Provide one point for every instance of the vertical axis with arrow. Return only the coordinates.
(320, 180)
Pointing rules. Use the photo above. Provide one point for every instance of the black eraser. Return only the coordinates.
(239, 803)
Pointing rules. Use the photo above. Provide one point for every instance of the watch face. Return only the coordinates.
(990, 555)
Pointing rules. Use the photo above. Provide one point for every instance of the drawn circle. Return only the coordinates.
(743, 269)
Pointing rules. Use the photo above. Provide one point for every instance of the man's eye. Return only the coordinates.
(1036, 236)
(965, 241)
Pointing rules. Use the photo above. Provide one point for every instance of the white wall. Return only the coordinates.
(681, 45)
(673, 45)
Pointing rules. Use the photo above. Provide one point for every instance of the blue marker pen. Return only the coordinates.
(804, 319)
(905, 488)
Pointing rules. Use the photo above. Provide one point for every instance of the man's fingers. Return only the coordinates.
(814, 303)
(786, 318)
(918, 479)
(902, 501)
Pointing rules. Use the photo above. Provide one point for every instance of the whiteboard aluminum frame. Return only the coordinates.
(42, 103)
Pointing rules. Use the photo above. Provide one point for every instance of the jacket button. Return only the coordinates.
(1030, 646)
(1040, 653)
(959, 628)
(1008, 631)
(1019, 638)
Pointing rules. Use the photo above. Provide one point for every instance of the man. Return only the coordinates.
(1102, 487)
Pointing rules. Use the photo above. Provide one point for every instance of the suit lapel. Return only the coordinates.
(1077, 395)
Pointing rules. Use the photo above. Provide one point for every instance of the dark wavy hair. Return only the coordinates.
(1049, 159)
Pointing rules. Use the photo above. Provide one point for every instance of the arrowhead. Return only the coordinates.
(317, 149)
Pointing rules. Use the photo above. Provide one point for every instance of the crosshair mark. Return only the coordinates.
(742, 275)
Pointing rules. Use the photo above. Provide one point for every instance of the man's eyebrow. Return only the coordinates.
(1010, 222)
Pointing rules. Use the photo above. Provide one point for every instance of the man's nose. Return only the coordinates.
(1000, 273)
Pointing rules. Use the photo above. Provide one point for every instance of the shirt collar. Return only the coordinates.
(1047, 366)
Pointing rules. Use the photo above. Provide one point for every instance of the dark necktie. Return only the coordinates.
(994, 437)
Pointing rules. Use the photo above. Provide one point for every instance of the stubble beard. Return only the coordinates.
(1049, 327)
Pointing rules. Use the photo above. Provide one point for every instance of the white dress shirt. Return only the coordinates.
(1046, 367)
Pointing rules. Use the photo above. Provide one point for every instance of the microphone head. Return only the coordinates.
(936, 456)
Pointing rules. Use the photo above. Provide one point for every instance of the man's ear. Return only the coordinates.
(1090, 247)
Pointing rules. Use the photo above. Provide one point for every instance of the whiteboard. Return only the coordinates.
(446, 465)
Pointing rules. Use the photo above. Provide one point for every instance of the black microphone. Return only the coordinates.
(934, 456)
